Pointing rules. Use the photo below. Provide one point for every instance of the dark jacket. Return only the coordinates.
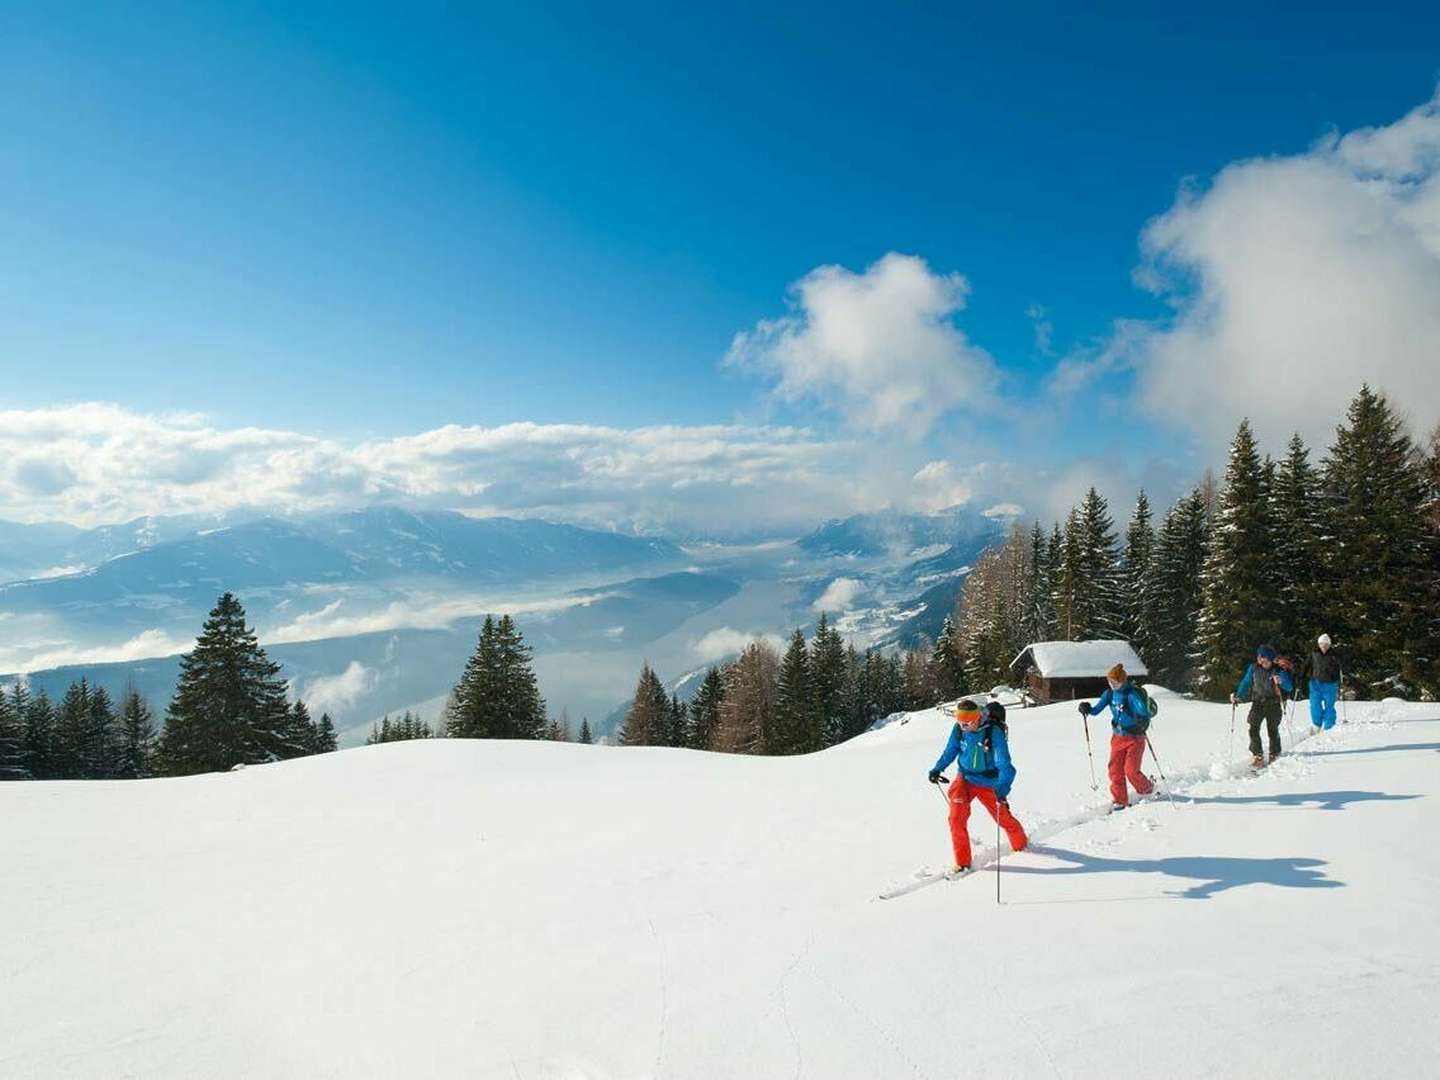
(1257, 684)
(1325, 667)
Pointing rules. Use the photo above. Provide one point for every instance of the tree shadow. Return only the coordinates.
(1323, 800)
(1212, 873)
(1372, 749)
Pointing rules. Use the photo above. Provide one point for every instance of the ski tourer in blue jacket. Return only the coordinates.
(983, 756)
(1129, 714)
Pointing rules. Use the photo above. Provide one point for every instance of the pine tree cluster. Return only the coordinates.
(819, 692)
(1277, 553)
(408, 726)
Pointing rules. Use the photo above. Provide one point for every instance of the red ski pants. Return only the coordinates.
(960, 795)
(1127, 754)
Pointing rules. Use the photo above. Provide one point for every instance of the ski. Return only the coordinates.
(924, 879)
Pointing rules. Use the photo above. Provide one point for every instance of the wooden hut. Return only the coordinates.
(1067, 670)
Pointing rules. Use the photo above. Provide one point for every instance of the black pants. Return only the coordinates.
(1268, 711)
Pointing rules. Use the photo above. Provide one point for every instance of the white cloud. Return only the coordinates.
(1003, 510)
(938, 485)
(413, 613)
(839, 595)
(335, 693)
(880, 345)
(126, 464)
(718, 644)
(143, 646)
(1294, 279)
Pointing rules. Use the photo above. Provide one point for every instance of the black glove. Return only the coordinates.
(934, 776)
(1084, 708)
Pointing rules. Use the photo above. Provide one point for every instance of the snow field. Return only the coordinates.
(538, 910)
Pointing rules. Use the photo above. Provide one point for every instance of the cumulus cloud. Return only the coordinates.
(839, 595)
(938, 485)
(42, 656)
(881, 345)
(336, 693)
(724, 642)
(1295, 278)
(91, 464)
(336, 619)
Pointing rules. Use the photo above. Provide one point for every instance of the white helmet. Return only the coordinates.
(1324, 640)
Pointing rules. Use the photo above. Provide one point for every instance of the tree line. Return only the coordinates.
(229, 708)
(817, 693)
(1279, 552)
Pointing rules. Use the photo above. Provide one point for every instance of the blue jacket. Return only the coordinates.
(1128, 714)
(985, 768)
(1248, 678)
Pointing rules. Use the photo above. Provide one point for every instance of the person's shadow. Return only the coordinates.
(1374, 749)
(1321, 800)
(1211, 873)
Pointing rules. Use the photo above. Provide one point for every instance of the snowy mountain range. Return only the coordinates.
(375, 611)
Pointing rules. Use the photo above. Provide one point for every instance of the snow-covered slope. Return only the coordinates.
(538, 910)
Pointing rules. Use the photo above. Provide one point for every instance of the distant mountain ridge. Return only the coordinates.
(900, 536)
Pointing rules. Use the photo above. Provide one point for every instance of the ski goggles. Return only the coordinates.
(967, 717)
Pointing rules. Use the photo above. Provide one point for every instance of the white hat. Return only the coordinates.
(1324, 640)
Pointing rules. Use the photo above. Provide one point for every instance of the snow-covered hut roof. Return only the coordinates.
(1081, 659)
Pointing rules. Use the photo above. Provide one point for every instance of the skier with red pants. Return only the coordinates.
(1129, 720)
(982, 753)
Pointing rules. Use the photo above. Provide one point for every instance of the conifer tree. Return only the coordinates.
(40, 751)
(326, 739)
(947, 663)
(704, 717)
(1038, 622)
(1100, 600)
(1138, 581)
(827, 680)
(1381, 557)
(586, 738)
(300, 733)
(1069, 584)
(497, 696)
(12, 741)
(1295, 563)
(747, 712)
(919, 685)
(647, 721)
(854, 711)
(136, 758)
(102, 737)
(677, 717)
(796, 729)
(1239, 609)
(72, 731)
(1180, 548)
(229, 706)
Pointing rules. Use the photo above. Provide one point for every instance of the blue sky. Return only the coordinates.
(363, 222)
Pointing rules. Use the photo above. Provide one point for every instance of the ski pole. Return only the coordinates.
(1156, 758)
(998, 805)
(1094, 785)
(940, 789)
(1230, 758)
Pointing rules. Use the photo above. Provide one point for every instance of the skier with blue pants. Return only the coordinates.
(1324, 685)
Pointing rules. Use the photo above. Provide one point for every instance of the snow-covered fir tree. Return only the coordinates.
(1179, 557)
(39, 713)
(947, 663)
(326, 738)
(1300, 537)
(1379, 557)
(1238, 610)
(1138, 594)
(586, 738)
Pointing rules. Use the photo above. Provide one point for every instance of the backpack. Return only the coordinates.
(994, 717)
(1151, 705)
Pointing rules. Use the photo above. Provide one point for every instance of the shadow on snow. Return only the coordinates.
(1323, 800)
(1212, 874)
(1373, 749)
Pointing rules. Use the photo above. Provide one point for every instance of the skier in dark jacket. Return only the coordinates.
(1324, 677)
(981, 753)
(1264, 685)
